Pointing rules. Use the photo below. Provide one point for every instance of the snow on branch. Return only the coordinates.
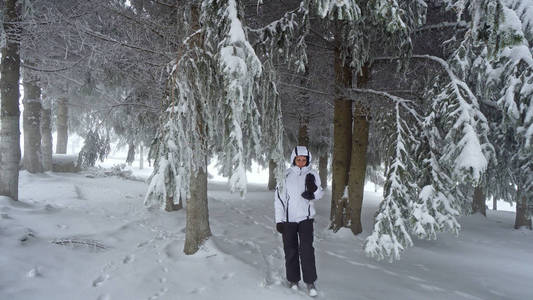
(239, 67)
(465, 126)
(338, 9)
(284, 39)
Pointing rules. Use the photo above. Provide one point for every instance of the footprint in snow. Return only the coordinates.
(100, 280)
(128, 259)
(198, 290)
(158, 294)
(104, 297)
(228, 276)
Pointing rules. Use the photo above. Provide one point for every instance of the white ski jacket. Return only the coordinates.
(289, 205)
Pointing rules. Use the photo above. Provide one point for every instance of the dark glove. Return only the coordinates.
(310, 187)
(308, 195)
(310, 183)
(279, 227)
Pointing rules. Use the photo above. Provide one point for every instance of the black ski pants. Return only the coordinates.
(298, 246)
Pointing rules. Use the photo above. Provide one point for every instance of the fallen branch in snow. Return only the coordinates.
(90, 244)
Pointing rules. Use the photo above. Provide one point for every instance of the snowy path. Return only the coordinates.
(73, 237)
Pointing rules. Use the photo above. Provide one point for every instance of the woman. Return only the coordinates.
(295, 213)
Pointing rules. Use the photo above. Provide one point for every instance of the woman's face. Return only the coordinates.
(300, 161)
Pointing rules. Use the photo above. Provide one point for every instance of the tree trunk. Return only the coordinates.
(31, 124)
(323, 170)
(171, 206)
(342, 144)
(358, 160)
(197, 228)
(358, 167)
(131, 153)
(303, 136)
(197, 222)
(46, 135)
(478, 202)
(141, 157)
(62, 126)
(494, 204)
(9, 109)
(342, 138)
(522, 218)
(271, 175)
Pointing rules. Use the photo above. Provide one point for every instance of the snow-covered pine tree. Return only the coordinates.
(498, 45)
(452, 147)
(211, 108)
(391, 233)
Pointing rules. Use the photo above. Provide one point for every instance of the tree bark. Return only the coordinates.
(478, 202)
(171, 206)
(197, 228)
(271, 175)
(62, 126)
(342, 143)
(9, 109)
(46, 135)
(323, 170)
(31, 124)
(522, 218)
(197, 222)
(494, 204)
(358, 163)
(342, 138)
(131, 153)
(303, 136)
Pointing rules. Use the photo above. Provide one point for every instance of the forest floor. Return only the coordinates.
(81, 236)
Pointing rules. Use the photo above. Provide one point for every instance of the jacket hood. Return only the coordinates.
(300, 151)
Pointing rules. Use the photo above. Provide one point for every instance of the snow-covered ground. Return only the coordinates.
(75, 237)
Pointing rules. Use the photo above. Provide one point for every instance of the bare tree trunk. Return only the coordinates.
(197, 228)
(494, 204)
(323, 170)
(141, 157)
(9, 109)
(171, 206)
(303, 136)
(342, 144)
(271, 175)
(31, 124)
(342, 137)
(358, 160)
(197, 222)
(358, 167)
(478, 202)
(522, 218)
(62, 126)
(131, 153)
(46, 135)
